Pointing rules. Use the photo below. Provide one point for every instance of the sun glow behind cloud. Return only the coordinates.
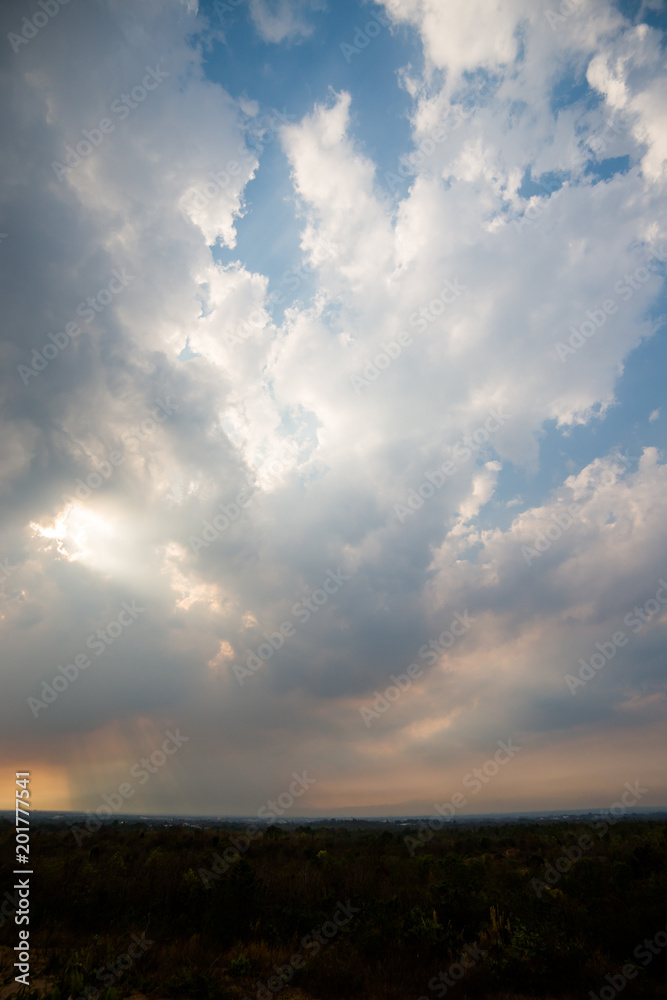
(74, 532)
(99, 541)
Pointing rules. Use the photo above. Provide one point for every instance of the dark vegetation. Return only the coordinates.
(218, 936)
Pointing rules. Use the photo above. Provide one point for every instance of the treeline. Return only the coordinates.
(517, 910)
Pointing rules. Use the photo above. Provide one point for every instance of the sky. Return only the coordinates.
(333, 416)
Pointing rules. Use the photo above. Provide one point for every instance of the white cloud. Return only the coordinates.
(281, 20)
(628, 73)
(280, 390)
(451, 32)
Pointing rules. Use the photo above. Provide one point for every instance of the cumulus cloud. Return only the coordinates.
(263, 446)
